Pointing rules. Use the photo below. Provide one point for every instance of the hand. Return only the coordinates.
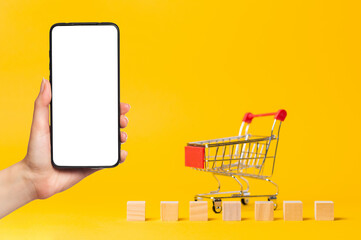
(45, 179)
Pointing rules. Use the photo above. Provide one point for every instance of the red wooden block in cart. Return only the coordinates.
(194, 157)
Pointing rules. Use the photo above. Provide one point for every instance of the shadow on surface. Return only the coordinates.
(187, 219)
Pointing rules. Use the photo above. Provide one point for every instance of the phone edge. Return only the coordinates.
(51, 105)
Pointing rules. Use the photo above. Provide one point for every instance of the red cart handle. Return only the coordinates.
(280, 115)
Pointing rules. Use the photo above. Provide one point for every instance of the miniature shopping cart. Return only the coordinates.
(241, 157)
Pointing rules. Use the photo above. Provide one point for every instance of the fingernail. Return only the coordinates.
(125, 135)
(128, 105)
(42, 85)
(126, 118)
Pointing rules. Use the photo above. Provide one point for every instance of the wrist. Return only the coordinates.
(16, 188)
(24, 178)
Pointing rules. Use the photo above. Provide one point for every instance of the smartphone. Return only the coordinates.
(85, 105)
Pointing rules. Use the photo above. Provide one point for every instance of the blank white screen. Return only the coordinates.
(85, 95)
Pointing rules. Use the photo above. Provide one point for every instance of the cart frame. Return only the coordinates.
(240, 157)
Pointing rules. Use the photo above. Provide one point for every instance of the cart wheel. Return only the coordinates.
(198, 199)
(244, 201)
(217, 205)
(275, 204)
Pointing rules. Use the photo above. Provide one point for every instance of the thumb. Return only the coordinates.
(41, 109)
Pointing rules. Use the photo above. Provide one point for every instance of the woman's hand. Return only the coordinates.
(45, 179)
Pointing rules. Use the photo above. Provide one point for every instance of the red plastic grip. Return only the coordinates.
(248, 117)
(280, 115)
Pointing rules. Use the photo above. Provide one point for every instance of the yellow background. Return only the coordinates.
(190, 70)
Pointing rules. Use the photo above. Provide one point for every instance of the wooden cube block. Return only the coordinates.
(198, 211)
(136, 210)
(231, 211)
(292, 211)
(264, 210)
(169, 210)
(324, 211)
